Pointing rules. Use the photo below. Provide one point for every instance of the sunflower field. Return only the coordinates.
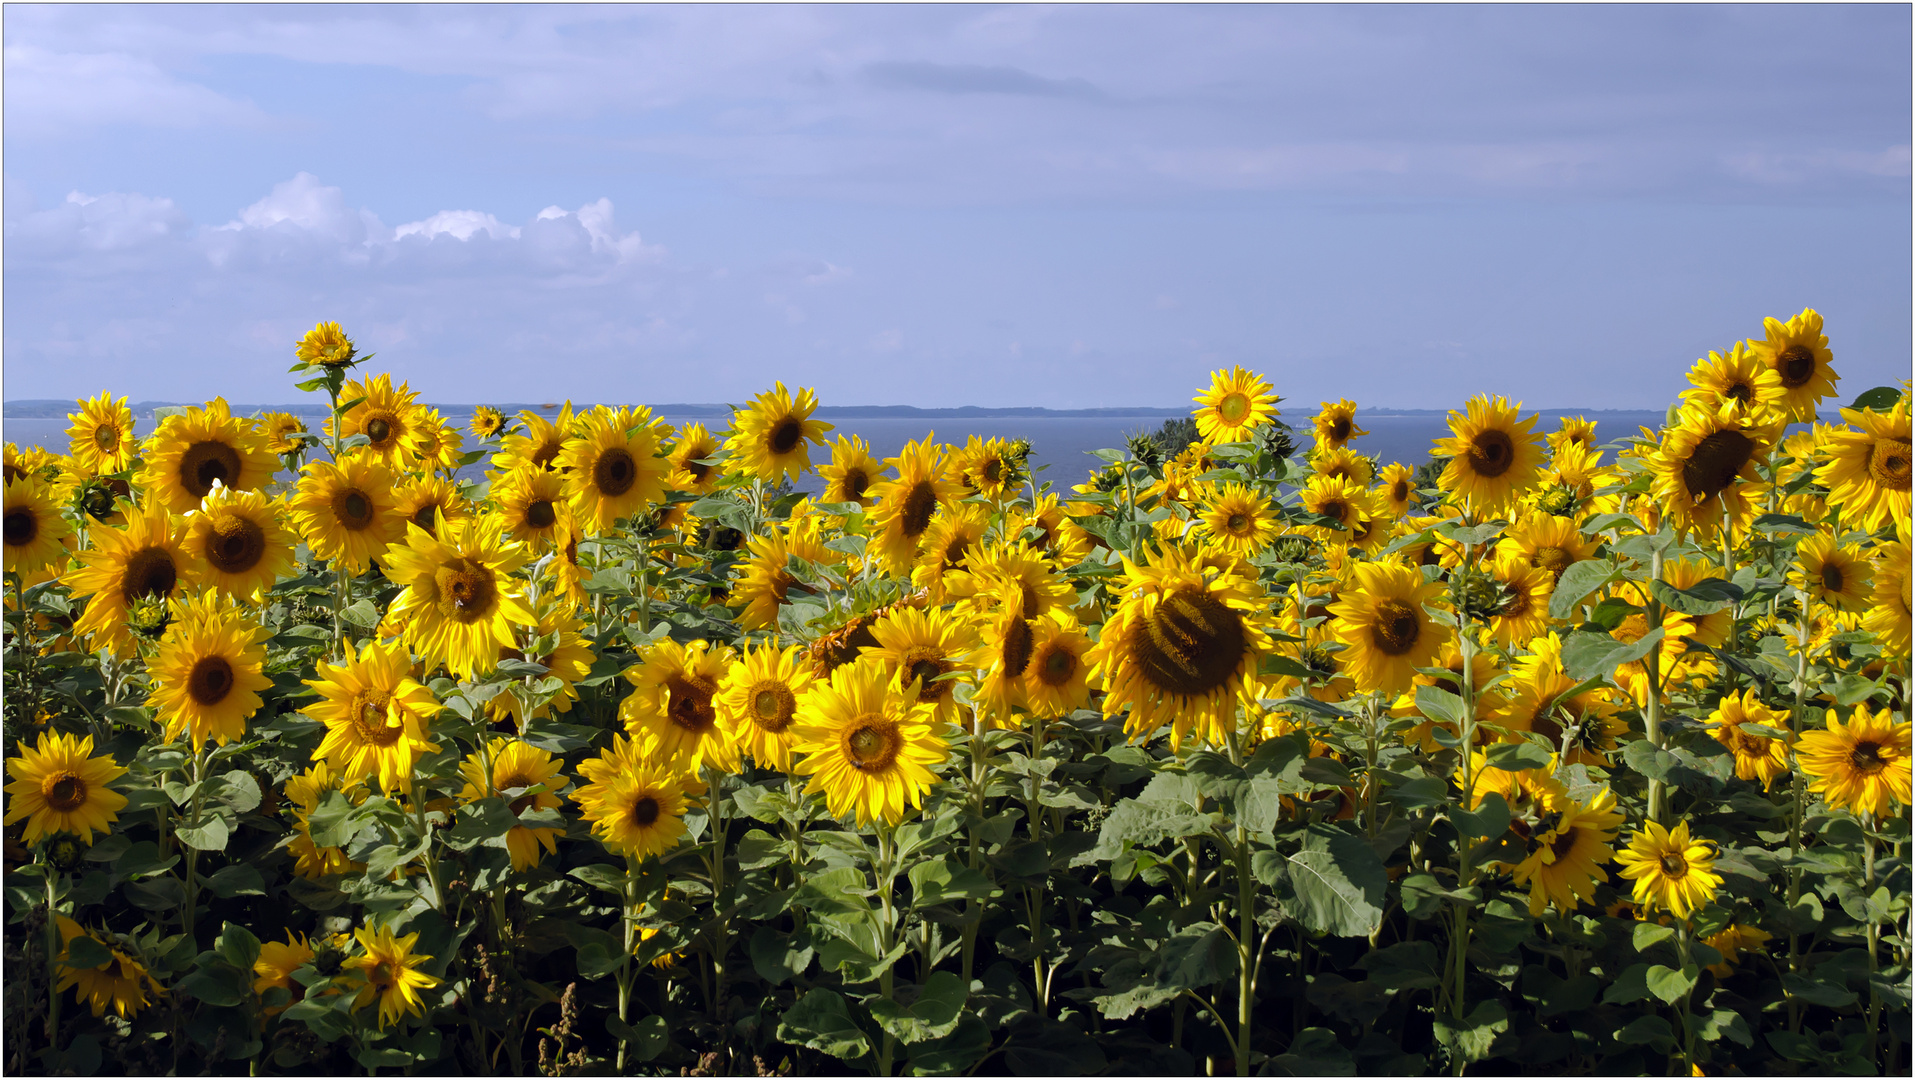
(1248, 754)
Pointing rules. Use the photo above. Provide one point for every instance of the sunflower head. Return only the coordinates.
(1862, 766)
(613, 468)
(770, 439)
(1673, 872)
(386, 969)
(1336, 424)
(486, 423)
(1495, 456)
(207, 672)
(1798, 353)
(60, 787)
(869, 748)
(690, 455)
(325, 345)
(34, 530)
(102, 434)
(197, 448)
(1237, 403)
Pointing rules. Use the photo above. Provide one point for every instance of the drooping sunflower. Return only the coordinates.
(947, 545)
(990, 467)
(1705, 467)
(207, 673)
(1495, 455)
(673, 711)
(925, 647)
(1237, 403)
(869, 748)
(851, 473)
(325, 345)
(1798, 352)
(281, 431)
(346, 511)
(1396, 486)
(1862, 766)
(1336, 424)
(539, 448)
(1183, 648)
(1239, 519)
(34, 527)
(460, 601)
(193, 449)
(240, 539)
(636, 806)
(1003, 657)
(517, 766)
(770, 438)
(121, 982)
(1672, 872)
(615, 470)
(59, 786)
(1344, 463)
(375, 715)
(1566, 859)
(435, 443)
(423, 500)
(1385, 629)
(385, 416)
(388, 968)
(1888, 615)
(695, 444)
(102, 434)
(1757, 757)
(145, 562)
(1867, 471)
(759, 700)
(1055, 681)
(1739, 383)
(1832, 573)
(486, 423)
(907, 502)
(767, 578)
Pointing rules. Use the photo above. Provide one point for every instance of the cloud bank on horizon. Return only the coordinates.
(1073, 206)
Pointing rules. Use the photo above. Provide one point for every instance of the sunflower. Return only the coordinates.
(1336, 424)
(1494, 454)
(59, 786)
(33, 461)
(1739, 384)
(851, 473)
(925, 647)
(569, 661)
(906, 504)
(1888, 613)
(435, 443)
(767, 580)
(768, 440)
(207, 673)
(1183, 647)
(760, 698)
(1798, 353)
(1757, 757)
(275, 966)
(1055, 683)
(1569, 483)
(1396, 486)
(387, 973)
(1525, 611)
(459, 604)
(1704, 466)
(990, 468)
(1566, 859)
(1732, 942)
(1385, 630)
(566, 572)
(486, 423)
(346, 511)
(1867, 472)
(1863, 767)
(1487, 699)
(325, 345)
(375, 715)
(116, 982)
(281, 431)
(673, 712)
(193, 449)
(516, 766)
(34, 528)
(636, 806)
(539, 448)
(305, 790)
(423, 500)
(1832, 573)
(102, 435)
(987, 567)
(1239, 519)
(1237, 403)
(867, 747)
(385, 415)
(1573, 431)
(145, 562)
(614, 467)
(1671, 871)
(695, 444)
(240, 538)
(1525, 791)
(1343, 463)
(947, 545)
(1549, 542)
(1583, 727)
(1062, 539)
(1374, 528)
(1003, 656)
(1343, 500)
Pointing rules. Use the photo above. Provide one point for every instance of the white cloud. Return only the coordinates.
(305, 204)
(461, 225)
(54, 92)
(98, 223)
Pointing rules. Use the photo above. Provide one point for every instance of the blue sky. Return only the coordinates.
(1064, 206)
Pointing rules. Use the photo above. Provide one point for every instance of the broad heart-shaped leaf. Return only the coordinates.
(1335, 884)
(1470, 1038)
(1517, 757)
(239, 879)
(644, 1040)
(1196, 956)
(210, 834)
(1703, 598)
(1579, 580)
(943, 881)
(1439, 705)
(85, 953)
(1879, 398)
(777, 957)
(1406, 965)
(1314, 1052)
(954, 1054)
(1668, 983)
(932, 1016)
(602, 875)
(1144, 822)
(1587, 655)
(822, 1021)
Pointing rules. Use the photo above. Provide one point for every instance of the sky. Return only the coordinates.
(1077, 206)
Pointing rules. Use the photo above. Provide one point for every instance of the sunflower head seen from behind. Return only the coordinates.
(121, 983)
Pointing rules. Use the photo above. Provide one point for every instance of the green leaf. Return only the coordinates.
(209, 835)
(1631, 985)
(1439, 705)
(602, 875)
(1407, 965)
(779, 957)
(1587, 655)
(1471, 1037)
(1725, 1024)
(1314, 1052)
(85, 952)
(239, 879)
(943, 881)
(362, 613)
(822, 1021)
(1647, 934)
(1336, 884)
(1705, 597)
(932, 1016)
(644, 1040)
(1651, 1031)
(1578, 580)
(1418, 793)
(954, 1054)
(1488, 821)
(1878, 398)
(238, 946)
(238, 790)
(1668, 983)
(1517, 757)
(1196, 956)
(333, 822)
(217, 985)
(1817, 992)
(1784, 525)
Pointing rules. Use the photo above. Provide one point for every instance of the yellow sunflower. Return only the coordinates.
(695, 444)
(1343, 463)
(1757, 757)
(121, 982)
(275, 966)
(1863, 766)
(769, 439)
(992, 565)
(1832, 573)
(1495, 455)
(529, 502)
(1239, 519)
(907, 502)
(517, 766)
(1237, 403)
(539, 448)
(1525, 614)
(304, 791)
(325, 345)
(435, 443)
(1062, 539)
(1385, 630)
(239, 537)
(1569, 484)
(925, 647)
(1888, 613)
(1573, 430)
(636, 807)
(1732, 942)
(673, 711)
(1798, 352)
(1549, 542)
(569, 661)
(32, 461)
(193, 449)
(375, 715)
(102, 434)
(207, 673)
(767, 580)
(346, 511)
(851, 473)
(145, 562)
(1566, 859)
(1002, 657)
(1739, 384)
(1582, 728)
(1336, 424)
(869, 748)
(460, 600)
(59, 786)
(1343, 500)
(388, 972)
(1396, 486)
(423, 500)
(1672, 872)
(990, 468)
(1867, 472)
(1056, 681)
(1704, 468)
(34, 528)
(384, 414)
(1183, 647)
(614, 467)
(281, 431)
(759, 699)
(947, 545)
(486, 423)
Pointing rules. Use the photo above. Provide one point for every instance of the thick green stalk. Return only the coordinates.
(1652, 708)
(1797, 800)
(625, 974)
(54, 949)
(721, 938)
(1246, 953)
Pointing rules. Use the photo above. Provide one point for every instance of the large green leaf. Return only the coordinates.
(822, 1021)
(932, 1016)
(1335, 884)
(1578, 581)
(1587, 655)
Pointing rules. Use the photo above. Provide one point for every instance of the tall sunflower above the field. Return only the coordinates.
(325, 345)
(346, 511)
(375, 714)
(907, 502)
(1868, 471)
(1236, 405)
(486, 423)
(1495, 455)
(240, 539)
(771, 438)
(386, 416)
(60, 787)
(1861, 766)
(1798, 352)
(131, 574)
(868, 748)
(1182, 647)
(613, 468)
(1386, 630)
(207, 674)
(1336, 424)
(1705, 467)
(851, 473)
(34, 527)
(459, 605)
(101, 437)
(193, 449)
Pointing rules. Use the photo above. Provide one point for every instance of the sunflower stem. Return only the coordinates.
(1797, 799)
(630, 918)
(1874, 942)
(425, 836)
(714, 781)
(974, 909)
(53, 957)
(192, 852)
(887, 875)
(1246, 958)
(1652, 706)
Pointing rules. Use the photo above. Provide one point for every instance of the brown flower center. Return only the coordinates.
(690, 706)
(1400, 491)
(467, 591)
(427, 517)
(1888, 463)
(915, 515)
(1335, 508)
(926, 666)
(1233, 408)
(1551, 558)
(539, 514)
(370, 723)
(1190, 644)
(1056, 666)
(22, 526)
(379, 431)
(1340, 430)
(645, 810)
(1867, 757)
(1017, 648)
(150, 572)
(1395, 628)
(211, 680)
(547, 453)
(786, 436)
(65, 792)
(1564, 843)
(1796, 365)
(855, 481)
(1491, 453)
(352, 508)
(1739, 391)
(772, 706)
(615, 472)
(1715, 462)
(1237, 525)
(1674, 865)
(106, 436)
(1831, 577)
(873, 744)
(205, 462)
(236, 544)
